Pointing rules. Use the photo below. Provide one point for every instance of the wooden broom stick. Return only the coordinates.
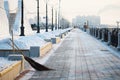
(12, 41)
(16, 47)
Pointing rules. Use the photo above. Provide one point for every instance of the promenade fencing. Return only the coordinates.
(108, 35)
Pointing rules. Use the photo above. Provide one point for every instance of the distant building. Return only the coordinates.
(90, 20)
(64, 23)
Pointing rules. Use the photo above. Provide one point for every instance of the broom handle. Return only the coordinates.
(17, 47)
(14, 45)
(12, 40)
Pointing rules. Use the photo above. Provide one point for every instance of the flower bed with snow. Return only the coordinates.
(4, 63)
(25, 42)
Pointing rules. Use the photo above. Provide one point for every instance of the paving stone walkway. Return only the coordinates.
(80, 57)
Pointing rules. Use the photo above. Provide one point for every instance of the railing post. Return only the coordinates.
(103, 31)
(95, 32)
(98, 34)
(118, 46)
(109, 38)
(92, 31)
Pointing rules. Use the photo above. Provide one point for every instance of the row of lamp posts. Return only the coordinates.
(38, 28)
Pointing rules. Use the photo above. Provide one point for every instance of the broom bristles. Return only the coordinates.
(37, 66)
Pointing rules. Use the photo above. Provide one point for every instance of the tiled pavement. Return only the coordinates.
(80, 57)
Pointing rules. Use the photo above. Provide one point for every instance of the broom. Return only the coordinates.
(33, 63)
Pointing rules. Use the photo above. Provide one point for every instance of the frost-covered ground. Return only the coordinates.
(4, 63)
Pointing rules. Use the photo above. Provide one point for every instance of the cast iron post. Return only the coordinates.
(52, 20)
(46, 16)
(22, 19)
(38, 28)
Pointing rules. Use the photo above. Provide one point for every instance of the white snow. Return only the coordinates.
(4, 25)
(13, 8)
(25, 42)
(4, 63)
(31, 38)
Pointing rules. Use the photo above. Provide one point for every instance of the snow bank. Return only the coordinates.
(25, 42)
(4, 25)
(4, 63)
(51, 34)
(13, 8)
(60, 31)
(4, 44)
(48, 35)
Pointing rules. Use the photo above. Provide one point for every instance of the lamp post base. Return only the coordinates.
(22, 31)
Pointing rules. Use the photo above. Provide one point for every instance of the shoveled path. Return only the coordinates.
(79, 57)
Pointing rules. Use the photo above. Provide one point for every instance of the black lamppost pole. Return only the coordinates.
(46, 16)
(38, 28)
(56, 20)
(22, 19)
(59, 15)
(52, 20)
(117, 25)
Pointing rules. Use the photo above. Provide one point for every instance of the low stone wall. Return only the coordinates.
(47, 40)
(63, 35)
(58, 40)
(11, 72)
(5, 53)
(46, 48)
(34, 51)
(55, 40)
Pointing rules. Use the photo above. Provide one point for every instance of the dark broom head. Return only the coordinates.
(37, 66)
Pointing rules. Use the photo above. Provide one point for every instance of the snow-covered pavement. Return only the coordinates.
(79, 57)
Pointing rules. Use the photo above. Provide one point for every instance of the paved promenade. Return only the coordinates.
(79, 57)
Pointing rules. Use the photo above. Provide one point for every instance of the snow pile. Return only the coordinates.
(60, 31)
(4, 26)
(52, 34)
(27, 41)
(13, 8)
(56, 32)
(24, 42)
(4, 44)
(4, 63)
(48, 35)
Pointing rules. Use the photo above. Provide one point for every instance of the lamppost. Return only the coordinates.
(52, 20)
(117, 25)
(54, 4)
(38, 28)
(22, 19)
(46, 15)
(59, 15)
(56, 20)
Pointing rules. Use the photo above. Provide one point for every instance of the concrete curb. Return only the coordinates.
(11, 72)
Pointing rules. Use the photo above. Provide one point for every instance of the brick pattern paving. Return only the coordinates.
(80, 57)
